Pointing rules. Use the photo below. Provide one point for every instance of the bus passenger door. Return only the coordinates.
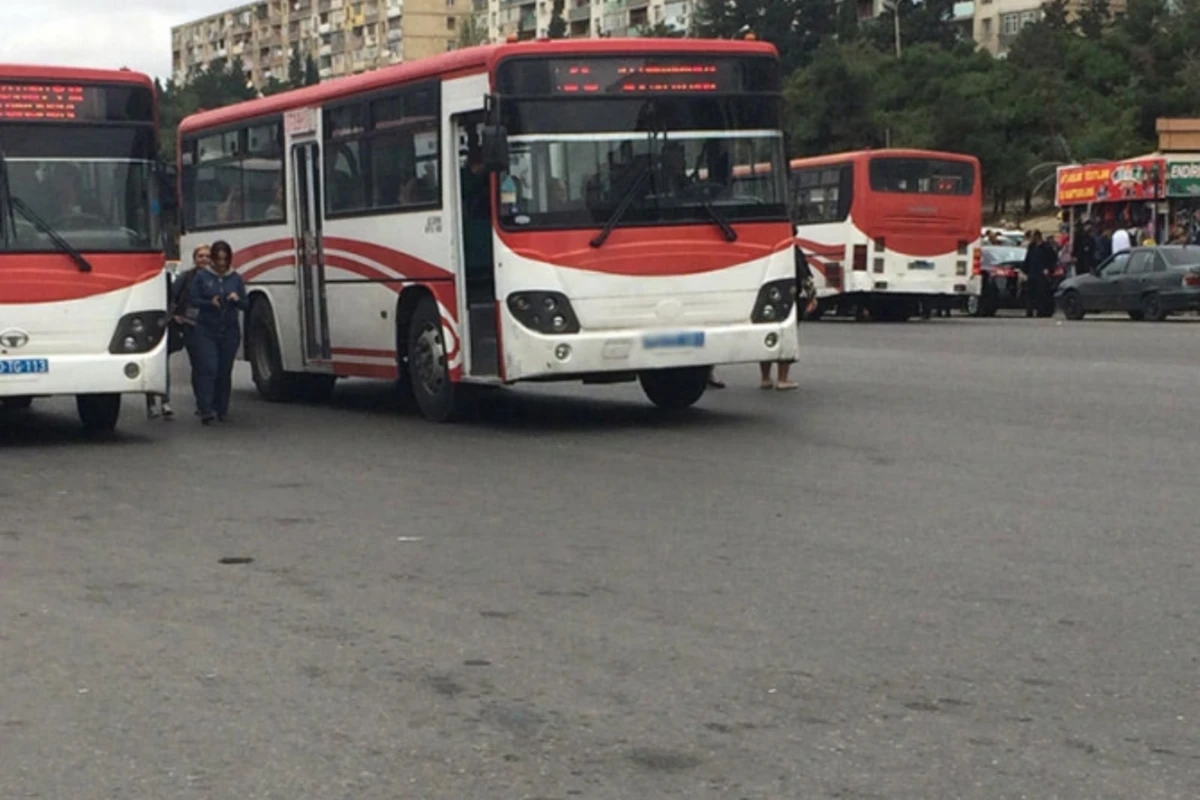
(310, 261)
(477, 256)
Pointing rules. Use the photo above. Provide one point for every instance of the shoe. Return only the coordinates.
(167, 411)
(207, 419)
(151, 411)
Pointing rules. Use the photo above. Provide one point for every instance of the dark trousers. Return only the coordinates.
(213, 352)
(1035, 294)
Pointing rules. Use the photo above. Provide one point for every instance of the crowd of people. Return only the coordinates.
(205, 303)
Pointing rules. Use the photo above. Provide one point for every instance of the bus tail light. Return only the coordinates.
(139, 332)
(544, 312)
(775, 301)
(977, 262)
(860, 258)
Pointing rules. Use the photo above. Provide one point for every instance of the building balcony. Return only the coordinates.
(479, 5)
(633, 5)
(527, 23)
(580, 12)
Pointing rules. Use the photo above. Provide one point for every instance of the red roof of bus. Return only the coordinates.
(840, 158)
(34, 72)
(460, 62)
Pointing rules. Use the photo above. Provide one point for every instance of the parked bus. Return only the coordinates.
(83, 297)
(889, 233)
(556, 210)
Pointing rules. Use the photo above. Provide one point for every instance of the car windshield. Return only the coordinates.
(1181, 256)
(572, 163)
(1003, 255)
(93, 186)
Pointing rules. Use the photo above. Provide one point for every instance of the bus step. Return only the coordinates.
(485, 355)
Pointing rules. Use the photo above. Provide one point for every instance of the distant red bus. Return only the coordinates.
(83, 295)
(889, 232)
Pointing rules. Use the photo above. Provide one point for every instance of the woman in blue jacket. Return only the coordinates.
(219, 297)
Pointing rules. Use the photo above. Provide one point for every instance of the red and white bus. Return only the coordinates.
(889, 232)
(83, 295)
(601, 239)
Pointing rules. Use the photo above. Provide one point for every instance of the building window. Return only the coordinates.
(451, 23)
(1010, 24)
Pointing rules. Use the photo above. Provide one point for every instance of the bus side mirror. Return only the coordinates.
(494, 142)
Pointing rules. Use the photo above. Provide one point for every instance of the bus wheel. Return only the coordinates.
(428, 369)
(98, 412)
(674, 389)
(262, 350)
(18, 403)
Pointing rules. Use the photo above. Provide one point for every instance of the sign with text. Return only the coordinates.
(1183, 179)
(1110, 182)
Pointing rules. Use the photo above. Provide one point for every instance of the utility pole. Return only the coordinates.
(895, 5)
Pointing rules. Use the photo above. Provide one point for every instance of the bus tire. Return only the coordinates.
(262, 351)
(17, 403)
(98, 412)
(674, 389)
(437, 397)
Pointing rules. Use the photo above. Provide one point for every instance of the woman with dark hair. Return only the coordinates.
(219, 296)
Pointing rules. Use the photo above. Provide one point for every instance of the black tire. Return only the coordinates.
(17, 403)
(1152, 308)
(674, 389)
(99, 412)
(1072, 305)
(1136, 316)
(437, 397)
(975, 306)
(266, 362)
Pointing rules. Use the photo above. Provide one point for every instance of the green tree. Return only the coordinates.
(471, 32)
(295, 74)
(312, 75)
(662, 30)
(1094, 18)
(796, 27)
(558, 22)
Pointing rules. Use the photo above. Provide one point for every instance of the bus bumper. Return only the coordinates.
(93, 373)
(529, 355)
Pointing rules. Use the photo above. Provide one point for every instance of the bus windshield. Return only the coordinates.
(573, 161)
(93, 186)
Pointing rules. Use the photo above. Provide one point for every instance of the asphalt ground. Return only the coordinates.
(960, 561)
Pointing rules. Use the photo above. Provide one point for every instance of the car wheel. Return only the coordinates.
(99, 412)
(674, 389)
(975, 305)
(1152, 308)
(1072, 305)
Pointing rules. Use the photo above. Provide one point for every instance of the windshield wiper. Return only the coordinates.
(7, 224)
(54, 235)
(719, 218)
(622, 207)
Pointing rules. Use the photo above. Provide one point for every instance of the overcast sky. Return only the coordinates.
(98, 33)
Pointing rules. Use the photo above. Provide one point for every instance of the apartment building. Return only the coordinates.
(999, 22)
(530, 19)
(343, 36)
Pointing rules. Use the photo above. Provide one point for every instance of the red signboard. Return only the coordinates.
(40, 101)
(1110, 182)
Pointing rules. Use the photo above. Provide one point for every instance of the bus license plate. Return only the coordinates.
(662, 340)
(24, 366)
(920, 265)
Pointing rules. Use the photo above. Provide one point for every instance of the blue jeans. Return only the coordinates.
(213, 352)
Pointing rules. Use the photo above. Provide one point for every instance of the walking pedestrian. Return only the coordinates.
(219, 296)
(183, 316)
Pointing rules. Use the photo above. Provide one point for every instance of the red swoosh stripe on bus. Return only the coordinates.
(830, 251)
(688, 250)
(408, 267)
(55, 278)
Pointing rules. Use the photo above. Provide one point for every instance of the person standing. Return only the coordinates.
(218, 296)
(183, 316)
(1040, 259)
(1120, 241)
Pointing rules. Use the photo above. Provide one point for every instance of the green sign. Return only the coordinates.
(1183, 179)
